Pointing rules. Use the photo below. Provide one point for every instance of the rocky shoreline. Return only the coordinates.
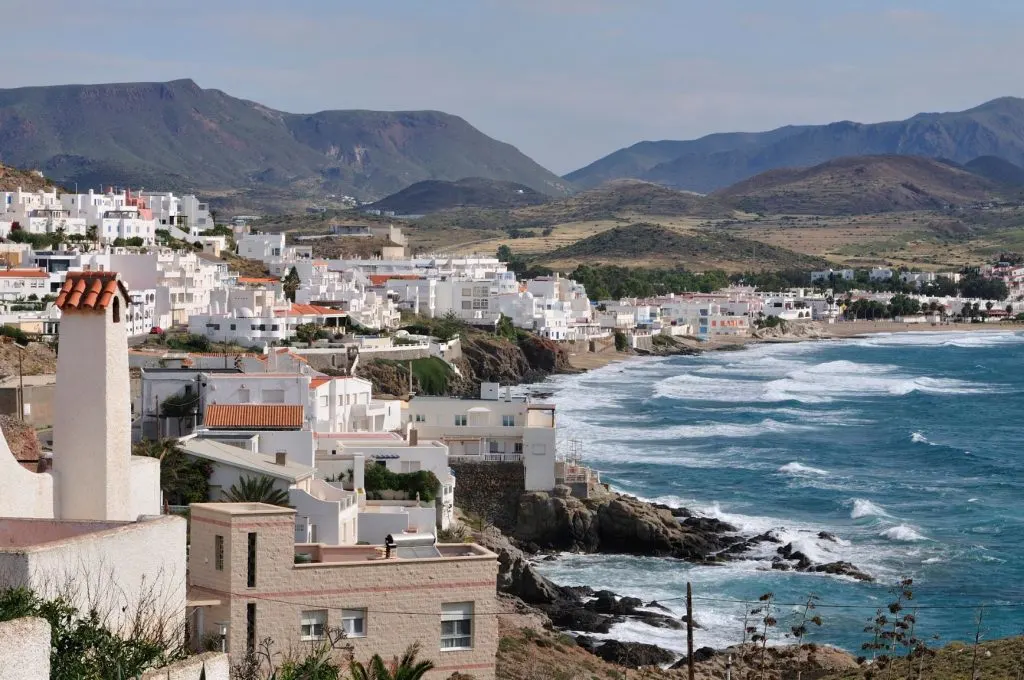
(552, 523)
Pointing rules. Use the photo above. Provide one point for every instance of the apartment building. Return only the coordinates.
(443, 597)
(20, 284)
(187, 212)
(495, 427)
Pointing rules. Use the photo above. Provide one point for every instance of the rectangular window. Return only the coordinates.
(250, 624)
(517, 447)
(508, 421)
(273, 396)
(218, 552)
(232, 326)
(251, 561)
(313, 624)
(323, 400)
(460, 421)
(420, 418)
(457, 626)
(353, 622)
(467, 304)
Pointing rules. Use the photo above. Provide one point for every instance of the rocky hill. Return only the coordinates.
(180, 136)
(995, 128)
(997, 170)
(860, 185)
(430, 196)
(646, 244)
(608, 201)
(12, 179)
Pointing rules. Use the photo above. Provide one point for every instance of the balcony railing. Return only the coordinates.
(488, 458)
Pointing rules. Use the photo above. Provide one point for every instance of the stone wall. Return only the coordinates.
(490, 490)
(214, 664)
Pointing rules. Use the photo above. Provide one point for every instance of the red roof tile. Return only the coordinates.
(90, 290)
(23, 274)
(257, 279)
(283, 416)
(310, 310)
(317, 382)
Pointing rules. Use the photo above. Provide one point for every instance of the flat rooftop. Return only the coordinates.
(318, 553)
(18, 534)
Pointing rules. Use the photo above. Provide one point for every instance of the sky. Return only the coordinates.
(565, 81)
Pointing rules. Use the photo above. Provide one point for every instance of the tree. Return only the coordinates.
(291, 284)
(93, 233)
(58, 235)
(256, 490)
(183, 480)
(506, 329)
(406, 668)
(180, 406)
(504, 253)
(308, 332)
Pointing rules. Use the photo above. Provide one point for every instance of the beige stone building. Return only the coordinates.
(441, 596)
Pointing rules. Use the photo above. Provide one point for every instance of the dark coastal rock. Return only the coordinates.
(608, 602)
(781, 565)
(699, 656)
(617, 524)
(659, 620)
(586, 642)
(634, 654)
(841, 569)
(684, 619)
(570, 616)
(709, 525)
(827, 536)
(517, 577)
(654, 604)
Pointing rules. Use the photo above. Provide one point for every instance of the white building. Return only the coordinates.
(20, 284)
(92, 522)
(495, 427)
(186, 213)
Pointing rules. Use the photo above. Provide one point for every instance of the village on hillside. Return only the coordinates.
(216, 459)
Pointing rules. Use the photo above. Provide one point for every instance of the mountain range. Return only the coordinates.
(179, 136)
(995, 129)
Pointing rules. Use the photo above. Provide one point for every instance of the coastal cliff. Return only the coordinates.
(485, 358)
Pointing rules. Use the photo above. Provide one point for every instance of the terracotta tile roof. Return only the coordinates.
(23, 274)
(90, 290)
(317, 382)
(309, 310)
(283, 416)
(257, 279)
(381, 279)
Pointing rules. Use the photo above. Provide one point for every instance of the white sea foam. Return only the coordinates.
(865, 508)
(940, 339)
(904, 534)
(919, 438)
(800, 469)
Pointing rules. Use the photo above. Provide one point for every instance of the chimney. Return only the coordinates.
(281, 458)
(414, 437)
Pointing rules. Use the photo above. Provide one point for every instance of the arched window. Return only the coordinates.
(117, 309)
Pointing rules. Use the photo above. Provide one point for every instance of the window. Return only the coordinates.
(460, 421)
(251, 562)
(313, 624)
(467, 304)
(508, 421)
(232, 326)
(218, 552)
(117, 309)
(353, 622)
(323, 400)
(250, 624)
(517, 447)
(273, 396)
(457, 626)
(420, 418)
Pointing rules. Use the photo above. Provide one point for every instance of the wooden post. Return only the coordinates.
(689, 630)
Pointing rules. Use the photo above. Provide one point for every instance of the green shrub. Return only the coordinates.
(378, 478)
(15, 334)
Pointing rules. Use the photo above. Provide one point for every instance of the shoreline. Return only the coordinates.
(588, 361)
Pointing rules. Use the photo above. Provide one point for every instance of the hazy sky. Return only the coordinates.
(566, 81)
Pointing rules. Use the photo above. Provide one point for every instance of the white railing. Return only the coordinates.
(488, 458)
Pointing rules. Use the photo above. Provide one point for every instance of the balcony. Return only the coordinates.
(488, 458)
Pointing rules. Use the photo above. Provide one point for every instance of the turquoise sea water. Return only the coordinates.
(908, 447)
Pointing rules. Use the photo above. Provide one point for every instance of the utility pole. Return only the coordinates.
(689, 631)
(21, 383)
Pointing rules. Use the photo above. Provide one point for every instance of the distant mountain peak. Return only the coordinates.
(179, 136)
(995, 128)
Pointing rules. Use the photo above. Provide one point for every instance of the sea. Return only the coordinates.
(908, 447)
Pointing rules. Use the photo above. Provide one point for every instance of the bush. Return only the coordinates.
(15, 334)
(190, 343)
(621, 342)
(379, 478)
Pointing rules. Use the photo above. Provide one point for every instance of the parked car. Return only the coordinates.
(156, 330)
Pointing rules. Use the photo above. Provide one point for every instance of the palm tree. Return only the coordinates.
(93, 233)
(406, 668)
(183, 480)
(59, 235)
(256, 490)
